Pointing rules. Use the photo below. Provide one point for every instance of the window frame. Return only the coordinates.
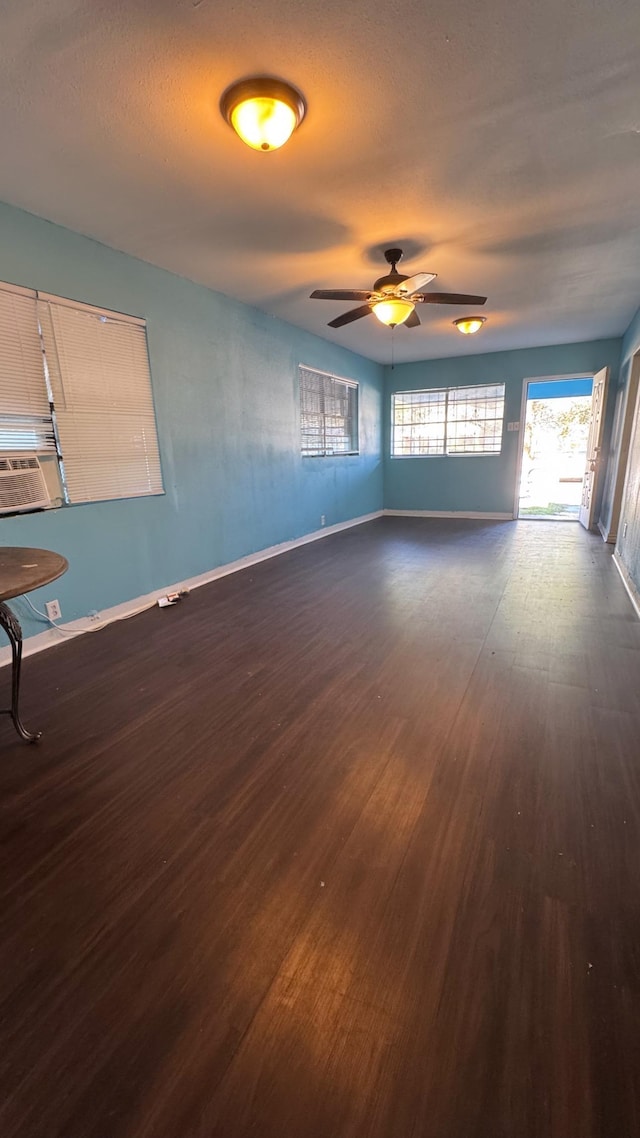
(354, 437)
(445, 453)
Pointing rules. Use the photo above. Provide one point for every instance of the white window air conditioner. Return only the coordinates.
(22, 484)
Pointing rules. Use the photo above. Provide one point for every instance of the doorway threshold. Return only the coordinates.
(553, 512)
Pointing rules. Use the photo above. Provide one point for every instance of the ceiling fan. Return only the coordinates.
(393, 298)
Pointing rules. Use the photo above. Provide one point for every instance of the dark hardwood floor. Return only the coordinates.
(346, 845)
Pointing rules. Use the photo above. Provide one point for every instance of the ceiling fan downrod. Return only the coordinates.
(392, 257)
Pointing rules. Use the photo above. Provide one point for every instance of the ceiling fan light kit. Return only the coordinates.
(394, 297)
(264, 112)
(393, 311)
(469, 324)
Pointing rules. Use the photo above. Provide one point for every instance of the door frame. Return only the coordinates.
(631, 400)
(523, 415)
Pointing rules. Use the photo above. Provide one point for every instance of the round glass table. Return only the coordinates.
(22, 569)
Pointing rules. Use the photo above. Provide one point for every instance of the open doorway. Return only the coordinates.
(555, 444)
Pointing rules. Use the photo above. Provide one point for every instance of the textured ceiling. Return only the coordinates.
(498, 143)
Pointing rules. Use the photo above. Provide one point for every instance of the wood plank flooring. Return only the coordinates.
(346, 845)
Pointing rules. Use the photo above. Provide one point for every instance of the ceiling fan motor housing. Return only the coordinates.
(390, 282)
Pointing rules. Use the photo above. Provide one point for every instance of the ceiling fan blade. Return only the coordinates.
(417, 281)
(449, 298)
(412, 321)
(347, 317)
(339, 294)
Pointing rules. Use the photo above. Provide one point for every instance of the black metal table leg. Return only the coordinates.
(11, 625)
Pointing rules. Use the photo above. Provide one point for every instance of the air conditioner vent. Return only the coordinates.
(22, 484)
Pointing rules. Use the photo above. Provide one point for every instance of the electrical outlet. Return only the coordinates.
(323, 519)
(53, 610)
(94, 616)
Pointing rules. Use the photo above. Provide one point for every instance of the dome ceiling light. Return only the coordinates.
(263, 112)
(469, 324)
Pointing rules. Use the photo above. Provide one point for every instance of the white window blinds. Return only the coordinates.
(25, 414)
(328, 414)
(99, 375)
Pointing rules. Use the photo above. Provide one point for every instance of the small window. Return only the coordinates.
(448, 421)
(328, 414)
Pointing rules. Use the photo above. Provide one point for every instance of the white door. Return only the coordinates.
(594, 450)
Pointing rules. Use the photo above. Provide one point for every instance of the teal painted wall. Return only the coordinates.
(628, 544)
(485, 483)
(225, 389)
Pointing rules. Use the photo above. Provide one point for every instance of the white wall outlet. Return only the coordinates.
(52, 609)
(94, 616)
(323, 519)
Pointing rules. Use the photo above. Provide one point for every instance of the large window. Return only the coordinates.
(448, 421)
(328, 414)
(75, 390)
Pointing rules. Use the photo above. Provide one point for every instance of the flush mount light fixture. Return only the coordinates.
(470, 324)
(263, 112)
(393, 311)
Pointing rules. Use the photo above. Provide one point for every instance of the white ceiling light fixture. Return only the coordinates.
(468, 325)
(264, 112)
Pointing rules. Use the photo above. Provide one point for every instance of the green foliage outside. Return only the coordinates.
(569, 423)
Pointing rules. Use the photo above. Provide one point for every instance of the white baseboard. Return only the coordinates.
(51, 636)
(479, 515)
(634, 596)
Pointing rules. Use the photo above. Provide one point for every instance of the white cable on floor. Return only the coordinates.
(80, 631)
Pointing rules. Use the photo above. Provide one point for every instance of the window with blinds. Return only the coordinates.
(101, 388)
(448, 421)
(328, 414)
(75, 381)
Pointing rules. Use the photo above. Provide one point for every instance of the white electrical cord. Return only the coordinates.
(80, 631)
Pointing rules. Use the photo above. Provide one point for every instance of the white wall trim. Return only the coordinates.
(480, 515)
(634, 596)
(50, 636)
